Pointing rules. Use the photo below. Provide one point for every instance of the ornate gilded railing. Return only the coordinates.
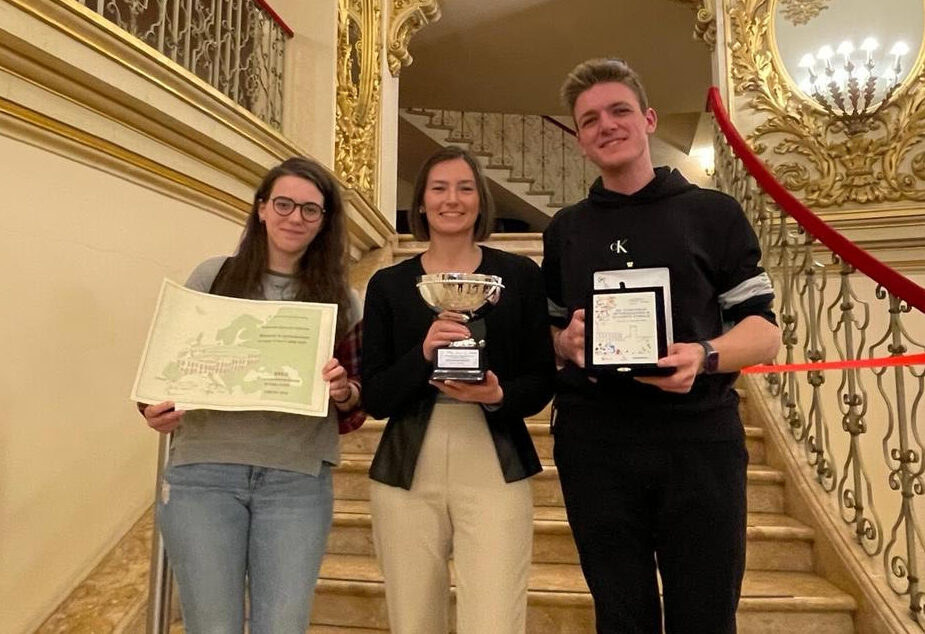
(836, 302)
(538, 150)
(237, 46)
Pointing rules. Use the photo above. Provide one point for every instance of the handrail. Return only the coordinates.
(274, 16)
(893, 281)
(236, 46)
(559, 125)
(539, 150)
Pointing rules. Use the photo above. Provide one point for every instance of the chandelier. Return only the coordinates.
(848, 84)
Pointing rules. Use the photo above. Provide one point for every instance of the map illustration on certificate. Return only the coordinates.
(212, 352)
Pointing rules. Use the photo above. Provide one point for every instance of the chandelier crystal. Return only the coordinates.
(847, 82)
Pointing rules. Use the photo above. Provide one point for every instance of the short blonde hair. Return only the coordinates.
(599, 71)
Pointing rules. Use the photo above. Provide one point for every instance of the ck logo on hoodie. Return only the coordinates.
(619, 246)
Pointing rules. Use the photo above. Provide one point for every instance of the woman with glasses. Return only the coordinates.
(246, 502)
(451, 473)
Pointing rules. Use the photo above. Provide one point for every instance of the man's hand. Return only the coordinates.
(488, 392)
(570, 342)
(687, 358)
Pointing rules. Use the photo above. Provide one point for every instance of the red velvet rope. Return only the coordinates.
(890, 279)
(878, 362)
(274, 16)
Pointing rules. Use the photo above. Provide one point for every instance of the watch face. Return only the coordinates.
(710, 358)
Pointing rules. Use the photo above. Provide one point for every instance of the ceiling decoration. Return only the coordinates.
(407, 18)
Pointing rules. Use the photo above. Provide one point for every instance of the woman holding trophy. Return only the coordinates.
(247, 496)
(450, 475)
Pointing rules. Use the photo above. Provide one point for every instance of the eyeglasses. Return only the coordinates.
(311, 212)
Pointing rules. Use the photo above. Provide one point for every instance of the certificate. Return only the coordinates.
(635, 278)
(625, 331)
(212, 352)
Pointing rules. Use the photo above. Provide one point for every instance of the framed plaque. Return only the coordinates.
(633, 278)
(626, 331)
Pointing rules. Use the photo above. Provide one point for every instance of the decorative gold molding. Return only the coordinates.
(705, 26)
(802, 11)
(231, 144)
(36, 128)
(407, 18)
(359, 87)
(812, 154)
(368, 228)
(101, 36)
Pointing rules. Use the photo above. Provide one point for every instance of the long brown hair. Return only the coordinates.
(321, 271)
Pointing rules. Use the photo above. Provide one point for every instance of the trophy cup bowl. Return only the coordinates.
(471, 295)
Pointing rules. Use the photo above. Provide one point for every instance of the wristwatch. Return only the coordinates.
(710, 357)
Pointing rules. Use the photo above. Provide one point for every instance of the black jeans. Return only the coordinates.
(678, 507)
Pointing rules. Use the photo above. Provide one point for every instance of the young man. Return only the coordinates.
(653, 469)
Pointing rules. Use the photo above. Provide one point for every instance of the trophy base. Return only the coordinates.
(459, 361)
(470, 376)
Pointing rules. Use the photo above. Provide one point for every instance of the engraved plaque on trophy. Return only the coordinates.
(471, 295)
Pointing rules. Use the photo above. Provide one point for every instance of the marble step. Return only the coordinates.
(765, 485)
(366, 439)
(775, 541)
(503, 241)
(528, 244)
(350, 593)
(334, 629)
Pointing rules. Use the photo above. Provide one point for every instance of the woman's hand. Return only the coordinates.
(487, 392)
(341, 390)
(447, 328)
(162, 417)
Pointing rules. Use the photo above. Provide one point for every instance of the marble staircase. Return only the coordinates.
(534, 159)
(781, 593)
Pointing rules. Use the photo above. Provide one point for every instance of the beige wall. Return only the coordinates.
(311, 61)
(84, 253)
(388, 145)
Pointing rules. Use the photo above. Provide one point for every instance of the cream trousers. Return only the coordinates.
(459, 505)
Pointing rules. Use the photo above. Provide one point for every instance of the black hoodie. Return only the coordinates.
(704, 239)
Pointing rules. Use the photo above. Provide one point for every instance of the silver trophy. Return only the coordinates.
(471, 295)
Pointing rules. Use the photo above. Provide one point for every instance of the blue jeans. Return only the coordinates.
(225, 525)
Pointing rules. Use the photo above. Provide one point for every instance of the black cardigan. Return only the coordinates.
(395, 373)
